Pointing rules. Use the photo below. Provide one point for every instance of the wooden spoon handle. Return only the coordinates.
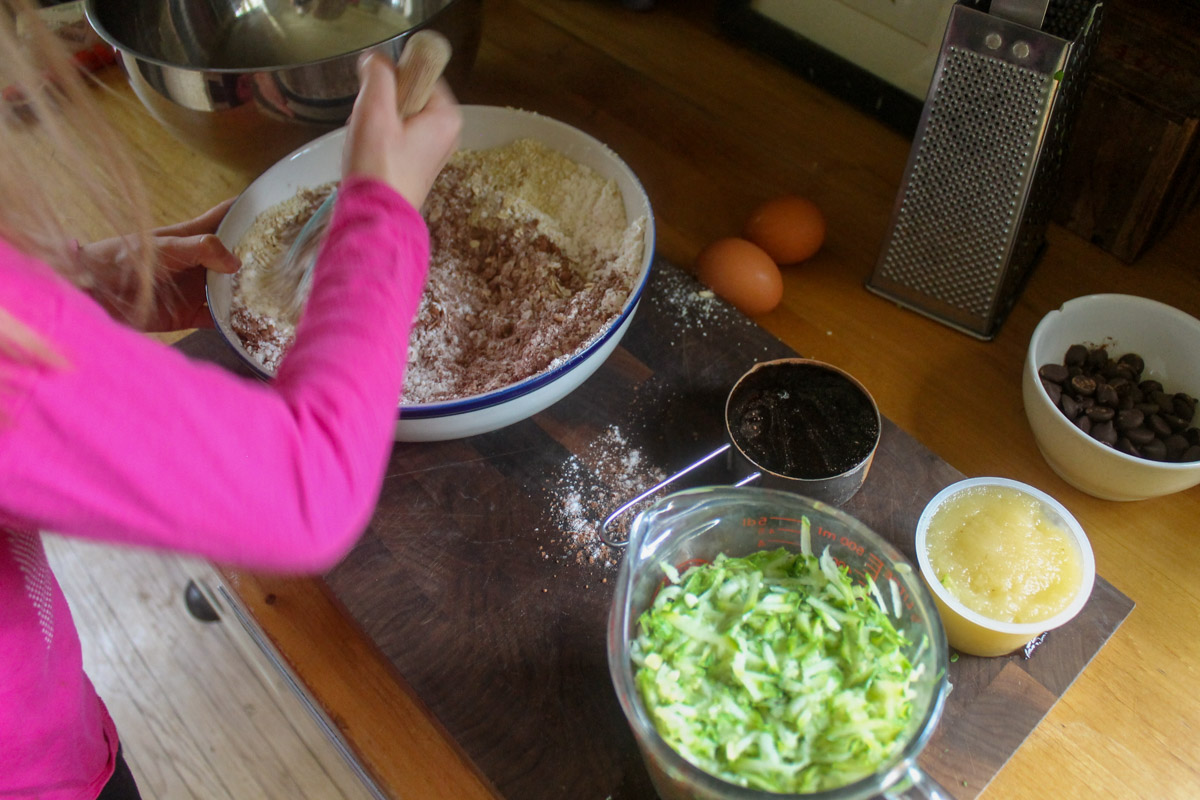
(425, 56)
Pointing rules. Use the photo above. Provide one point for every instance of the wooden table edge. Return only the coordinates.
(394, 741)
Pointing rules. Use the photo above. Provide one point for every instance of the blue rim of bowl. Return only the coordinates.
(480, 402)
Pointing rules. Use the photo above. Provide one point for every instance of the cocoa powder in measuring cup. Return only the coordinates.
(803, 420)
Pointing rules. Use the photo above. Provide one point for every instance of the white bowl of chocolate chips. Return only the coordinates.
(542, 240)
(1110, 385)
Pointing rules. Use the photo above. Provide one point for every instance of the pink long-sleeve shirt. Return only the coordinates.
(134, 443)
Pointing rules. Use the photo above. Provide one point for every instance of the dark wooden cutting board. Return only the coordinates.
(479, 579)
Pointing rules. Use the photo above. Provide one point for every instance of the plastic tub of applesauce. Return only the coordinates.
(1005, 562)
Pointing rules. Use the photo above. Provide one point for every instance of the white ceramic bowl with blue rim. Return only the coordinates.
(483, 126)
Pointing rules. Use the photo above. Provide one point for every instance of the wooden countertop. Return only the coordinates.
(712, 128)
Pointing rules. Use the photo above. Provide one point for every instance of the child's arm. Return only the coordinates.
(136, 443)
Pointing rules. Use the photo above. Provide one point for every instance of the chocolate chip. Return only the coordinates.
(1053, 390)
(1166, 402)
(1055, 373)
(1158, 426)
(1185, 406)
(1076, 355)
(1140, 436)
(1177, 445)
(1070, 407)
(1097, 359)
(1106, 395)
(1130, 418)
(1154, 450)
(1100, 413)
(1133, 361)
(1105, 432)
(1083, 385)
(1175, 423)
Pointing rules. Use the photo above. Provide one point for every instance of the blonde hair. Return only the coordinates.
(104, 174)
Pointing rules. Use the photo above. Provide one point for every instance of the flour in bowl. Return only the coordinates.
(532, 258)
(254, 313)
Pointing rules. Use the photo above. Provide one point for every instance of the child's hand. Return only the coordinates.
(183, 252)
(407, 153)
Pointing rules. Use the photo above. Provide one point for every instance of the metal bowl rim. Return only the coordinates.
(93, 19)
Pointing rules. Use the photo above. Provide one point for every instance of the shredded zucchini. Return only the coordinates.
(775, 671)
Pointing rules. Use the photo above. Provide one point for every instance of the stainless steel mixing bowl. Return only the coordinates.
(248, 81)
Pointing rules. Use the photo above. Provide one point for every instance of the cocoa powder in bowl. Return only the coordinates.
(532, 259)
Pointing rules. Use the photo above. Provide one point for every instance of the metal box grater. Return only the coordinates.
(969, 222)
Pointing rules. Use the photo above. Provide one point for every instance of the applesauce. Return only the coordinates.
(997, 551)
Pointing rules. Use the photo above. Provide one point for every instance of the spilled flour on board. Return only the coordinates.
(589, 486)
(586, 488)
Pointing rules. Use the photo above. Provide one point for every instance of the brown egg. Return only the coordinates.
(742, 273)
(789, 228)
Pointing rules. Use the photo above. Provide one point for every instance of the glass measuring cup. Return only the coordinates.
(697, 524)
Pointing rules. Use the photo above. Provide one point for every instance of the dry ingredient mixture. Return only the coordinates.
(531, 259)
(254, 314)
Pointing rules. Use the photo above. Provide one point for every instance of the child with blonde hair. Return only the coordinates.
(110, 435)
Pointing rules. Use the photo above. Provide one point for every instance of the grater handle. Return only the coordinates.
(1030, 13)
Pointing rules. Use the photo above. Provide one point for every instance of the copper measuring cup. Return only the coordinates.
(795, 424)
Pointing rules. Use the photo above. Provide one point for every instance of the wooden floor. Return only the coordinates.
(201, 710)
